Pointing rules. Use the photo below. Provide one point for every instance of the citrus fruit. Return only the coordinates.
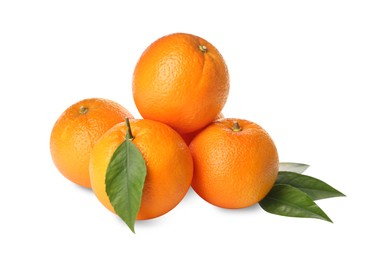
(168, 161)
(76, 131)
(181, 80)
(235, 163)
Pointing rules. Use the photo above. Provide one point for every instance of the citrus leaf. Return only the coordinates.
(286, 200)
(314, 188)
(125, 180)
(292, 167)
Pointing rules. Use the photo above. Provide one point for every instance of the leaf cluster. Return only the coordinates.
(294, 194)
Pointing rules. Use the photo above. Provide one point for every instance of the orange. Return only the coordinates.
(168, 161)
(181, 80)
(76, 131)
(235, 163)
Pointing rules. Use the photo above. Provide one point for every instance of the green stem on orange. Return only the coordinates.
(129, 134)
(236, 127)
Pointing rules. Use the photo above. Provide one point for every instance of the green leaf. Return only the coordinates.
(314, 188)
(125, 180)
(292, 167)
(286, 200)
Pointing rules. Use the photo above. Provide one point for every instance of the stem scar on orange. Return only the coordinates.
(76, 131)
(181, 80)
(235, 163)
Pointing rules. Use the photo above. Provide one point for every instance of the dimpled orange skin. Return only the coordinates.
(76, 131)
(168, 161)
(233, 169)
(181, 80)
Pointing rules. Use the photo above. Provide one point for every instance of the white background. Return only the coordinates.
(314, 74)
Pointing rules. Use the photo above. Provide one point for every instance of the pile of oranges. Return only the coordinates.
(180, 86)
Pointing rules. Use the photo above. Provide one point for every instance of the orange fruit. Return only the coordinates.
(168, 164)
(188, 137)
(76, 131)
(181, 80)
(235, 163)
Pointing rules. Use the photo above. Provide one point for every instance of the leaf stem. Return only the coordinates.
(129, 134)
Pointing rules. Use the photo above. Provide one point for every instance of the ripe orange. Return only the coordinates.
(235, 163)
(76, 131)
(181, 80)
(168, 164)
